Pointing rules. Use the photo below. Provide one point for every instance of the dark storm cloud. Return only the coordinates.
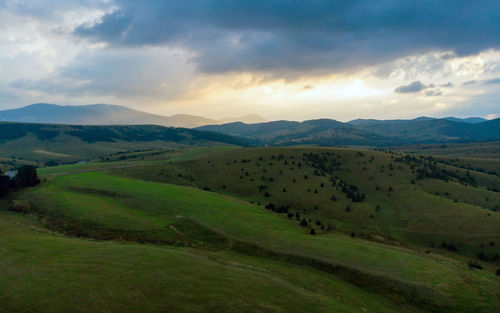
(274, 35)
(416, 86)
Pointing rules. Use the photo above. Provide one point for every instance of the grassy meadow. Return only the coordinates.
(397, 209)
(193, 230)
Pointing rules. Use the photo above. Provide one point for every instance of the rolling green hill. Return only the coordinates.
(223, 229)
(47, 143)
(110, 208)
(42, 272)
(382, 196)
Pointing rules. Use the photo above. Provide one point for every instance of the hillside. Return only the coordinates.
(362, 132)
(105, 114)
(249, 234)
(80, 275)
(381, 195)
(41, 143)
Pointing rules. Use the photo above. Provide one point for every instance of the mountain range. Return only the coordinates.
(106, 114)
(363, 132)
(254, 129)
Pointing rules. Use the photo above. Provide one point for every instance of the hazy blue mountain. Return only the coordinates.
(96, 114)
(105, 114)
(470, 120)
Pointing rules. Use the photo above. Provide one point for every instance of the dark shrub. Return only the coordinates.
(4, 184)
(26, 176)
(271, 206)
(20, 206)
(474, 264)
(482, 256)
(449, 246)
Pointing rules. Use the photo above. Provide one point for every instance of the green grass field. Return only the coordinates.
(425, 212)
(42, 272)
(139, 234)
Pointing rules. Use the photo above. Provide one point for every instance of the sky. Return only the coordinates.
(281, 59)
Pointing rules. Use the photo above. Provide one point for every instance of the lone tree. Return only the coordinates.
(26, 176)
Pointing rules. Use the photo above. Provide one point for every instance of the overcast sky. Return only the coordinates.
(281, 59)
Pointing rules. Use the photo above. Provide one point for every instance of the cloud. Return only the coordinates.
(217, 57)
(492, 81)
(433, 93)
(281, 35)
(415, 86)
(122, 73)
(47, 9)
(470, 82)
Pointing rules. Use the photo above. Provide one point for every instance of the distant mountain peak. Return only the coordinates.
(423, 118)
(470, 120)
(108, 114)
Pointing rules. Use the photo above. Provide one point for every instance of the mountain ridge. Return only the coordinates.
(106, 114)
(373, 133)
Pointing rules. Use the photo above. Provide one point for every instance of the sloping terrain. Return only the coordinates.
(388, 197)
(42, 143)
(104, 207)
(45, 272)
(275, 230)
